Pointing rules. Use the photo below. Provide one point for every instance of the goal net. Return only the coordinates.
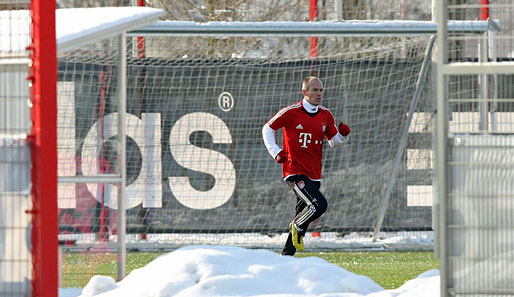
(196, 162)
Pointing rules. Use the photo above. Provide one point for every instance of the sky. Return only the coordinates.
(207, 270)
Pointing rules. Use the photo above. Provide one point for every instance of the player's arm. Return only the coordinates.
(342, 136)
(268, 135)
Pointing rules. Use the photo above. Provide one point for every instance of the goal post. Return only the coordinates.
(197, 99)
(100, 168)
(196, 105)
(351, 46)
(37, 145)
(196, 102)
(43, 146)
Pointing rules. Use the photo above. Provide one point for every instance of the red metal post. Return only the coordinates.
(141, 53)
(313, 53)
(43, 142)
(140, 40)
(313, 41)
(484, 9)
(103, 233)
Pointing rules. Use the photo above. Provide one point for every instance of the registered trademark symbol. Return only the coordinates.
(226, 101)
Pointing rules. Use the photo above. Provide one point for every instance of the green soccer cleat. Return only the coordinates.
(297, 237)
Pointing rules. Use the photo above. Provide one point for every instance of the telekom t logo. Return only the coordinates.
(304, 139)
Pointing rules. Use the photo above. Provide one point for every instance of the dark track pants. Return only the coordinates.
(310, 205)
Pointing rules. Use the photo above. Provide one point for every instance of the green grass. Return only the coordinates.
(78, 268)
(388, 269)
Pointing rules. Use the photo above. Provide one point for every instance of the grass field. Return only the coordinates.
(388, 269)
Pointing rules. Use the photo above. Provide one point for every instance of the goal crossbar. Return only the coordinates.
(187, 28)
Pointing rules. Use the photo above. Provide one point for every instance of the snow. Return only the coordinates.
(322, 28)
(74, 24)
(235, 271)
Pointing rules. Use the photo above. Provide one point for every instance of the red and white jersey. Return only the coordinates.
(303, 136)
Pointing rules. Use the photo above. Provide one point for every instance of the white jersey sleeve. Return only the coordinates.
(338, 139)
(268, 135)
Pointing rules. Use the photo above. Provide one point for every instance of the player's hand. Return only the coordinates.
(281, 157)
(344, 129)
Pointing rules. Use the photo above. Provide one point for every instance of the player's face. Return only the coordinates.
(314, 93)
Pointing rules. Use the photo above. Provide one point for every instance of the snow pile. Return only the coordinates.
(234, 271)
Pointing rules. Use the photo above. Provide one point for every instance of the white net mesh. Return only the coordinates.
(16, 262)
(196, 162)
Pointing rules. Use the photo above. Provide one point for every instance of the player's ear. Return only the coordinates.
(304, 92)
